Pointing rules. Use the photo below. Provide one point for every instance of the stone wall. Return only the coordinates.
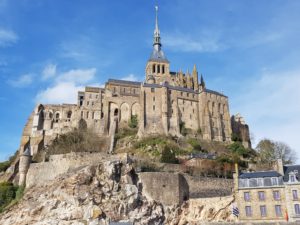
(41, 173)
(251, 223)
(204, 187)
(167, 188)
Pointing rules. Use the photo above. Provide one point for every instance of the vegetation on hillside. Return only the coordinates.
(9, 195)
(4, 165)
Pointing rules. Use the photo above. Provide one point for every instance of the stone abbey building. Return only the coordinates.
(163, 103)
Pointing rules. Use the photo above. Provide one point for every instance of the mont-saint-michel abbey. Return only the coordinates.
(162, 103)
(162, 151)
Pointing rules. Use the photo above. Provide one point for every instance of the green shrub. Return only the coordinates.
(133, 123)
(125, 132)
(151, 141)
(7, 194)
(235, 137)
(4, 166)
(195, 144)
(168, 156)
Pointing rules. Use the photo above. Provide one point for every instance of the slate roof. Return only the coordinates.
(260, 174)
(288, 169)
(123, 82)
(214, 92)
(158, 56)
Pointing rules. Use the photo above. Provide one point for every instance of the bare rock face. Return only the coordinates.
(96, 195)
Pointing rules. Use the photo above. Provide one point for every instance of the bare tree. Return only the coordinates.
(270, 150)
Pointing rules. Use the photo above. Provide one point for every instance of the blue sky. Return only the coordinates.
(50, 49)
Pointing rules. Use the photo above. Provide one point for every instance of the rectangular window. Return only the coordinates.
(292, 178)
(187, 94)
(152, 90)
(248, 211)
(274, 181)
(263, 211)
(276, 195)
(247, 196)
(297, 209)
(278, 210)
(295, 195)
(260, 182)
(261, 195)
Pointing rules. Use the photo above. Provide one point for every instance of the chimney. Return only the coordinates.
(278, 166)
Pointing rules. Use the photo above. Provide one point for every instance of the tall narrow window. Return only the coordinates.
(93, 115)
(87, 115)
(158, 68)
(248, 211)
(154, 99)
(261, 195)
(295, 195)
(163, 69)
(263, 211)
(153, 68)
(297, 209)
(154, 108)
(278, 210)
(276, 195)
(247, 196)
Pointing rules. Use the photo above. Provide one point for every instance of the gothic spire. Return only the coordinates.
(156, 42)
(157, 54)
(202, 82)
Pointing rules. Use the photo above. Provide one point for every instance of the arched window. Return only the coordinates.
(50, 115)
(163, 69)
(56, 117)
(69, 114)
(158, 68)
(153, 68)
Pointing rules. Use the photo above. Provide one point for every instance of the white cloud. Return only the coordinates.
(49, 71)
(66, 85)
(77, 76)
(185, 43)
(130, 77)
(22, 81)
(7, 37)
(271, 107)
(65, 92)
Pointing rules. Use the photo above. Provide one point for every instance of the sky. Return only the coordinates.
(248, 50)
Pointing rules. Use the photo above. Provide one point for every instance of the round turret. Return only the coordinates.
(25, 160)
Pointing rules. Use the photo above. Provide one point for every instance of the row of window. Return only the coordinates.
(125, 90)
(156, 68)
(263, 210)
(92, 115)
(262, 197)
(261, 182)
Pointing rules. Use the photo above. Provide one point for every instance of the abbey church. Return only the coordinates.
(164, 103)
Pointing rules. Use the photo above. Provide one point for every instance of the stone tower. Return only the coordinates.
(157, 66)
(25, 160)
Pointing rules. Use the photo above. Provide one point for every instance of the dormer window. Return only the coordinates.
(292, 178)
(274, 181)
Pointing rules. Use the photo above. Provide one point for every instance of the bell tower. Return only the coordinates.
(158, 67)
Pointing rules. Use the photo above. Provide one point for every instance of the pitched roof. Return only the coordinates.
(214, 92)
(260, 174)
(288, 169)
(123, 82)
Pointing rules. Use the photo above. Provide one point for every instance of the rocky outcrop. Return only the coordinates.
(110, 191)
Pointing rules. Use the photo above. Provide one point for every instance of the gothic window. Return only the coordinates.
(163, 69)
(154, 108)
(158, 68)
(153, 68)
(87, 115)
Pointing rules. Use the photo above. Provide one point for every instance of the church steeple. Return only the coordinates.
(156, 41)
(157, 54)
